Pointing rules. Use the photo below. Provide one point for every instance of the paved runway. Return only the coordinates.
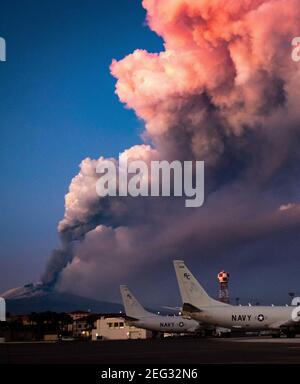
(168, 351)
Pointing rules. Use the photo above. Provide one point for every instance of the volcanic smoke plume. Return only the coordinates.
(226, 91)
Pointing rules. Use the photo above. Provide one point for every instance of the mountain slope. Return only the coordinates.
(39, 298)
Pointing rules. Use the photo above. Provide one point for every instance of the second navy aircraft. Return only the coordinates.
(198, 305)
(140, 317)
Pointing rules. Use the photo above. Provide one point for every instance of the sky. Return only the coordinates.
(57, 107)
(184, 79)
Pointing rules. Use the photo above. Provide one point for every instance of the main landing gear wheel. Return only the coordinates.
(290, 334)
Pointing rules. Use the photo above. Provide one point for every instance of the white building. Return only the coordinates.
(115, 328)
(79, 328)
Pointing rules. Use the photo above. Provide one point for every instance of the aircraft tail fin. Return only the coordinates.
(132, 307)
(191, 291)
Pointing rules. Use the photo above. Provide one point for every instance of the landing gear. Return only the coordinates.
(157, 335)
(275, 335)
(222, 332)
(207, 333)
(290, 334)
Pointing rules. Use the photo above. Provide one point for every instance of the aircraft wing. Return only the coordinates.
(282, 324)
(172, 308)
(190, 308)
(130, 318)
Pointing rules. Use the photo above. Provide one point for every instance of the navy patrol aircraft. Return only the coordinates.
(200, 306)
(141, 318)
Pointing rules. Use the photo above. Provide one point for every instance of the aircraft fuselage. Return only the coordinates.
(169, 324)
(256, 317)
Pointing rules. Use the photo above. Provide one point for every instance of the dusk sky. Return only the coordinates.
(169, 79)
(57, 106)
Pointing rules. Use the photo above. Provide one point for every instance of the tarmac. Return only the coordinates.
(166, 351)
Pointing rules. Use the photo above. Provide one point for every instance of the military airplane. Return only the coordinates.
(200, 306)
(141, 318)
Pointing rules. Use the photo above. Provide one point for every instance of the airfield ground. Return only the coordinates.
(168, 351)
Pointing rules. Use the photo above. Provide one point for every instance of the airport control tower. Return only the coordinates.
(223, 278)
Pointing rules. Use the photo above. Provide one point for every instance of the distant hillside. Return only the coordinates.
(37, 298)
